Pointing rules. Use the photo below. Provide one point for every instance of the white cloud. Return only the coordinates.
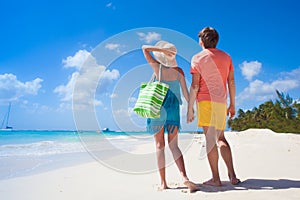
(77, 60)
(113, 95)
(250, 69)
(106, 79)
(66, 91)
(111, 75)
(112, 46)
(84, 83)
(292, 74)
(149, 37)
(11, 89)
(110, 5)
(262, 91)
(259, 90)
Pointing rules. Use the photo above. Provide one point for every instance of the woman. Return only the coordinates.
(164, 62)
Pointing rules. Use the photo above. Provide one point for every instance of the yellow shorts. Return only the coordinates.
(212, 114)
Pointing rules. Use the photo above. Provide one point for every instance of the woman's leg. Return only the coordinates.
(160, 154)
(176, 152)
(178, 157)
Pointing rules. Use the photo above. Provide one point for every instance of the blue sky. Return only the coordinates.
(46, 43)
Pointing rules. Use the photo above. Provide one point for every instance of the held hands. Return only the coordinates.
(190, 115)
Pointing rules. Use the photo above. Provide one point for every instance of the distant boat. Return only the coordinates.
(4, 125)
(105, 130)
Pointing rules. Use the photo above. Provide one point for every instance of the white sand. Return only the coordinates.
(267, 163)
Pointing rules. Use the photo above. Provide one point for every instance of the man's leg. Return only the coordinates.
(227, 157)
(212, 155)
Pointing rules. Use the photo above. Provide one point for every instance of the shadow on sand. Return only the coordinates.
(250, 184)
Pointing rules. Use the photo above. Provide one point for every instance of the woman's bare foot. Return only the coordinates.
(192, 186)
(163, 187)
(212, 182)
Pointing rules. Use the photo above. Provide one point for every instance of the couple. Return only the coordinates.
(212, 72)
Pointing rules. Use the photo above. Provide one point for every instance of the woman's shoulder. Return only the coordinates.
(179, 69)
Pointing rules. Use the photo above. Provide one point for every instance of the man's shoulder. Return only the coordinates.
(222, 52)
(200, 55)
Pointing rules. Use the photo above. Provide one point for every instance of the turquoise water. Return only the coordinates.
(27, 152)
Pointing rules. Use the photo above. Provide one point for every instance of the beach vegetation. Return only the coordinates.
(281, 115)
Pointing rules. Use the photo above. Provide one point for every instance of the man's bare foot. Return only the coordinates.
(192, 186)
(212, 182)
(234, 180)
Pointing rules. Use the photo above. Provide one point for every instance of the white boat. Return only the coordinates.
(4, 125)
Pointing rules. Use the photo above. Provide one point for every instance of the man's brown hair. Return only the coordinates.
(209, 36)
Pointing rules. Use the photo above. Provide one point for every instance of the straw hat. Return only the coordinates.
(165, 60)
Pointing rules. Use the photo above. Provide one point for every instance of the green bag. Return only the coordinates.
(151, 97)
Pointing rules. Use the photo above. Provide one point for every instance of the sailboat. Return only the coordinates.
(4, 125)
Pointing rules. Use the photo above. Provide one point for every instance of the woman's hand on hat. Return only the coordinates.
(150, 48)
(158, 49)
(167, 52)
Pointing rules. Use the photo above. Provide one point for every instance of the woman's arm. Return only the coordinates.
(153, 63)
(184, 88)
(193, 95)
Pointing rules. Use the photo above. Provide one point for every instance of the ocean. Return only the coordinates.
(27, 152)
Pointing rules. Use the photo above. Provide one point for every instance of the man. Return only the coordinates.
(212, 71)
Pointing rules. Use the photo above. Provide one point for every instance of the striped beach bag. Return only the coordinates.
(151, 97)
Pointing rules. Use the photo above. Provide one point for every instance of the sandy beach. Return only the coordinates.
(266, 162)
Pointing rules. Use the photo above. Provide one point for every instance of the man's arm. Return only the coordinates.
(231, 88)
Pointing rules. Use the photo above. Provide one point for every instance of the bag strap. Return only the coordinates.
(159, 75)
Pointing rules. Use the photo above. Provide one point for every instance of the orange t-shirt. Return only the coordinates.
(214, 66)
